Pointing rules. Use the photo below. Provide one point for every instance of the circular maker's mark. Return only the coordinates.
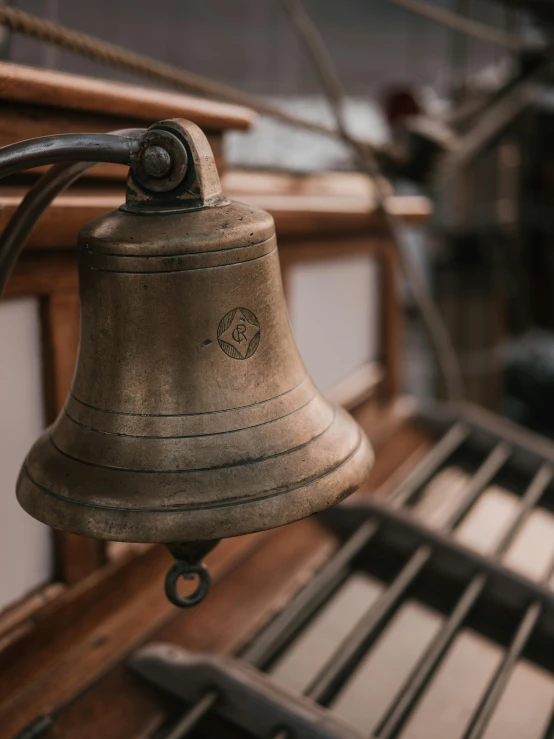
(238, 333)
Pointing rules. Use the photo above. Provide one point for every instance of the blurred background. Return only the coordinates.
(460, 121)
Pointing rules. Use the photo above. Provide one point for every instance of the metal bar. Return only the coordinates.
(486, 429)
(191, 718)
(495, 689)
(485, 710)
(296, 614)
(368, 628)
(35, 202)
(399, 527)
(429, 464)
(530, 499)
(293, 618)
(308, 600)
(359, 640)
(377, 615)
(288, 622)
(67, 147)
(474, 488)
(395, 716)
(403, 704)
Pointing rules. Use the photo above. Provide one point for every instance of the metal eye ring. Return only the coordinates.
(188, 572)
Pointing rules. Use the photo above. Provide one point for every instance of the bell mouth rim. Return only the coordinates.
(216, 520)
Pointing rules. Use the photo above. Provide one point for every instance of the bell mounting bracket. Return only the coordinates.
(174, 170)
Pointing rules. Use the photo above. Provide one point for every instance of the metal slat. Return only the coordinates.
(530, 499)
(437, 456)
(288, 621)
(190, 719)
(352, 649)
(355, 646)
(484, 712)
(398, 712)
(474, 487)
(310, 598)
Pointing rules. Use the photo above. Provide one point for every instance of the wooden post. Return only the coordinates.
(75, 556)
(53, 278)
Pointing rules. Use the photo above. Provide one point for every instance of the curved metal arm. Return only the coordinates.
(67, 147)
(116, 147)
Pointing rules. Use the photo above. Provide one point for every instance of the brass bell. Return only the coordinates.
(191, 416)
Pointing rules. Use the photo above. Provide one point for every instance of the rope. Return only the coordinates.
(447, 359)
(113, 55)
(457, 22)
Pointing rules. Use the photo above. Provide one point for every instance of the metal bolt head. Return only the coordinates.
(156, 162)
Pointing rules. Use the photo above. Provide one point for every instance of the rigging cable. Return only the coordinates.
(438, 332)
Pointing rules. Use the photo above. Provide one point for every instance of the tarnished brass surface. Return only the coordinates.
(191, 415)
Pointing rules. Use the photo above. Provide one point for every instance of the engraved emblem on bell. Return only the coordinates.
(239, 333)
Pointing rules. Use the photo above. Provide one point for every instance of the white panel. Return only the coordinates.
(298, 667)
(270, 144)
(462, 678)
(533, 548)
(25, 544)
(334, 311)
(525, 706)
(383, 670)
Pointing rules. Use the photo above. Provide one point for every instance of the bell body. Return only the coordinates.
(191, 415)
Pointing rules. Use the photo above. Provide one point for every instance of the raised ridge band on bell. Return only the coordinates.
(212, 519)
(174, 454)
(102, 484)
(189, 436)
(191, 424)
(210, 230)
(125, 264)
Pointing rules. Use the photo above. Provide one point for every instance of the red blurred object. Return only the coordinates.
(399, 103)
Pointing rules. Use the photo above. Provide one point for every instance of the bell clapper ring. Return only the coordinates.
(188, 565)
(187, 572)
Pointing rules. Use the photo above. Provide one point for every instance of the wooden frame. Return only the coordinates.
(53, 279)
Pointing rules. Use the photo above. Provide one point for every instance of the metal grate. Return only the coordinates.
(416, 560)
